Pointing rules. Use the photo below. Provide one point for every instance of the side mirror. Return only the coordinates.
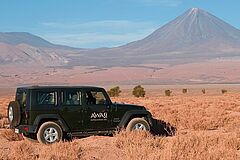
(107, 102)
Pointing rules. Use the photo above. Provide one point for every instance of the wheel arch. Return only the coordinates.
(40, 119)
(129, 115)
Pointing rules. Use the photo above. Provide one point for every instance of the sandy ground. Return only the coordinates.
(207, 127)
(212, 71)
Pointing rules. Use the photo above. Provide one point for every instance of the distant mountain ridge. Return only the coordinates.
(195, 35)
(26, 48)
(194, 48)
(16, 38)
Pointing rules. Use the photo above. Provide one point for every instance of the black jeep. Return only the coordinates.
(51, 113)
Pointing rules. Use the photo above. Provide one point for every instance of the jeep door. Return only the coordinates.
(43, 102)
(71, 108)
(97, 110)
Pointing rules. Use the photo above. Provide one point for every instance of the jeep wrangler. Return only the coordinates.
(50, 114)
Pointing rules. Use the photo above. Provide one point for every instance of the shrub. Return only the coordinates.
(138, 91)
(203, 91)
(184, 90)
(224, 91)
(168, 92)
(114, 92)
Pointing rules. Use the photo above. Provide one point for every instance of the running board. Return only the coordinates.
(89, 133)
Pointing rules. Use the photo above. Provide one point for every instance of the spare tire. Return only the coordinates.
(14, 114)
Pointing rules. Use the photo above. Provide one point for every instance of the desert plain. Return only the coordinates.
(196, 126)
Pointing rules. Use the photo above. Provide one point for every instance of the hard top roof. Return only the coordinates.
(58, 87)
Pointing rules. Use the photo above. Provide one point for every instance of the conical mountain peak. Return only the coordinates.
(194, 35)
(195, 10)
(196, 30)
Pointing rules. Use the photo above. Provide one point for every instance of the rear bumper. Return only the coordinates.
(25, 129)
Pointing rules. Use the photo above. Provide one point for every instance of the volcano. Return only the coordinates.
(194, 35)
(194, 31)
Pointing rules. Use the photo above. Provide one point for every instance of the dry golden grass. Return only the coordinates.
(4, 101)
(203, 145)
(198, 145)
(10, 135)
(137, 146)
(194, 112)
(140, 145)
(208, 127)
(4, 123)
(23, 150)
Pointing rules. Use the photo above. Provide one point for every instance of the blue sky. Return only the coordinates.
(102, 23)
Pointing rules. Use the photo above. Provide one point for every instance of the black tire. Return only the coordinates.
(46, 136)
(135, 122)
(14, 114)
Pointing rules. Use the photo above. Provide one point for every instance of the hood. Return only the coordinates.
(130, 106)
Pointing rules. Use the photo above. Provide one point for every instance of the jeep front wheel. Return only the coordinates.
(137, 124)
(49, 132)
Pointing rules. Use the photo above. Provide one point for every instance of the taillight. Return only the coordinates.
(26, 129)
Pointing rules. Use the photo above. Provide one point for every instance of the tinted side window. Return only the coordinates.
(72, 98)
(46, 98)
(95, 97)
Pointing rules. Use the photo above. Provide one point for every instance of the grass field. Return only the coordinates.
(207, 127)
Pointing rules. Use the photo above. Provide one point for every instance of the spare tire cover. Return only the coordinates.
(14, 113)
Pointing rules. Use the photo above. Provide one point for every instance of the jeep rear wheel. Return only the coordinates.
(138, 124)
(49, 132)
(14, 114)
